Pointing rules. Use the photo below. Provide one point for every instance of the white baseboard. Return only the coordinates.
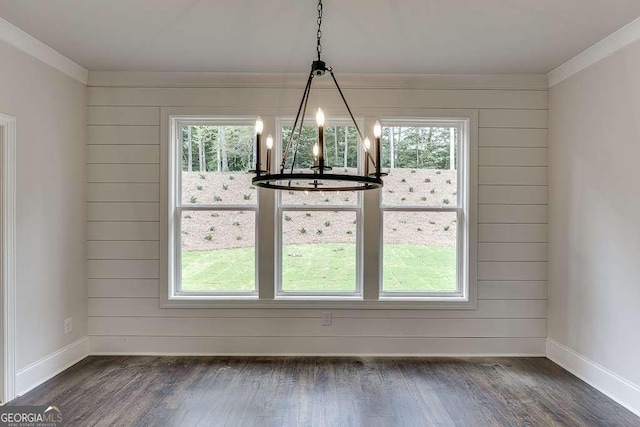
(317, 346)
(611, 384)
(49, 366)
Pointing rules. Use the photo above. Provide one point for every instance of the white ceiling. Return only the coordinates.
(360, 36)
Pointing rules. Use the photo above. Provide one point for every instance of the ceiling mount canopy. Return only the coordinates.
(320, 176)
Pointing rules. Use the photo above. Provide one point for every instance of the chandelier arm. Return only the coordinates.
(304, 112)
(350, 113)
(307, 88)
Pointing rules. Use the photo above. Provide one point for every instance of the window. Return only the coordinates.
(409, 244)
(319, 248)
(214, 208)
(423, 209)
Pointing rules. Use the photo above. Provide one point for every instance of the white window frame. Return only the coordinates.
(176, 209)
(461, 210)
(267, 225)
(281, 208)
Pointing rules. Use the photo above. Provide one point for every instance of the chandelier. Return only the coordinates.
(320, 176)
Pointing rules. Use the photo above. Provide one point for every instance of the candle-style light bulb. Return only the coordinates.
(316, 151)
(320, 155)
(367, 145)
(320, 117)
(377, 133)
(259, 128)
(269, 147)
(377, 129)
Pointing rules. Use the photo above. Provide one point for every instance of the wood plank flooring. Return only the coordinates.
(252, 391)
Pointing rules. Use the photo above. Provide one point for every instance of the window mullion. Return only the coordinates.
(265, 228)
(316, 208)
(371, 241)
(249, 208)
(420, 209)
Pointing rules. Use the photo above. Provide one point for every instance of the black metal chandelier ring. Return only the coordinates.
(316, 182)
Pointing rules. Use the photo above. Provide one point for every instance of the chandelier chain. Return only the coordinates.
(319, 33)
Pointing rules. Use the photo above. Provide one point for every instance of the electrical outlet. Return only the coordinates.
(68, 325)
(326, 318)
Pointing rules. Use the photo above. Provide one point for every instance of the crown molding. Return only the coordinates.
(604, 48)
(34, 47)
(296, 80)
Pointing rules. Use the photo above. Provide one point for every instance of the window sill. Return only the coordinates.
(321, 303)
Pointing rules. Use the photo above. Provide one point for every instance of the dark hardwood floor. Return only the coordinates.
(242, 391)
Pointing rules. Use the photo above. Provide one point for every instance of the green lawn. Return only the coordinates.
(322, 267)
(419, 268)
(319, 267)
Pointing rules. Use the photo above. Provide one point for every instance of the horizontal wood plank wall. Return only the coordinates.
(123, 247)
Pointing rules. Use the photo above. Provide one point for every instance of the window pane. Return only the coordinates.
(343, 161)
(422, 171)
(419, 251)
(215, 162)
(319, 251)
(218, 251)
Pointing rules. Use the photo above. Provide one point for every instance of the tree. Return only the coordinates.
(346, 145)
(222, 143)
(202, 155)
(335, 143)
(392, 151)
(218, 152)
(189, 145)
(416, 147)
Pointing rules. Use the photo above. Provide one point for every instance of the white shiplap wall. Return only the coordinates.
(123, 231)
